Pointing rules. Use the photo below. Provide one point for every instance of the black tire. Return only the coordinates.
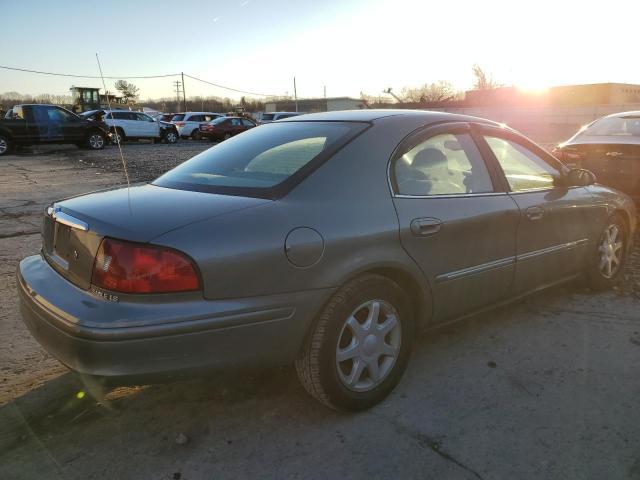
(118, 136)
(196, 135)
(96, 141)
(317, 364)
(598, 275)
(170, 136)
(5, 145)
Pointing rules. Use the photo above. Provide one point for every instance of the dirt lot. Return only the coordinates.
(547, 388)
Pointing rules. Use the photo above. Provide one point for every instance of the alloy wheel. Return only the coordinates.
(4, 146)
(96, 141)
(611, 251)
(368, 345)
(171, 137)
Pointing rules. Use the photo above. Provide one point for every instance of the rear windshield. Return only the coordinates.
(215, 121)
(613, 126)
(259, 161)
(267, 116)
(177, 118)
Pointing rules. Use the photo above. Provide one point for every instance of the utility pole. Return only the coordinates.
(184, 95)
(177, 84)
(295, 93)
(389, 91)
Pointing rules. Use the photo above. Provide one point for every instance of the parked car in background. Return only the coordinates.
(610, 148)
(273, 116)
(39, 124)
(327, 241)
(188, 123)
(166, 117)
(128, 125)
(224, 128)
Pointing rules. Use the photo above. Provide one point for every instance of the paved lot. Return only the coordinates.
(547, 388)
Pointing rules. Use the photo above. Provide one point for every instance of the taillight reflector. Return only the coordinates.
(134, 268)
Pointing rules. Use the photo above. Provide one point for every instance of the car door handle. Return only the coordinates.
(422, 227)
(534, 213)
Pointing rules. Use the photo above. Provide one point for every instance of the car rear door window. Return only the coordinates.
(247, 123)
(523, 169)
(445, 164)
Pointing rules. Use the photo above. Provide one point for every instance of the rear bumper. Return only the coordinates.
(137, 340)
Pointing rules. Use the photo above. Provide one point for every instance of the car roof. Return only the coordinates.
(198, 113)
(632, 113)
(372, 115)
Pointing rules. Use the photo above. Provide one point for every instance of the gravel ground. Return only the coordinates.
(546, 388)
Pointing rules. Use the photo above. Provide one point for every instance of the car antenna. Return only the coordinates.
(106, 93)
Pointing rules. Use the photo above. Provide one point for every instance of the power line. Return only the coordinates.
(232, 89)
(86, 76)
(16, 69)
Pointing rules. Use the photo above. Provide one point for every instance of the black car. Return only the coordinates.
(41, 124)
(610, 148)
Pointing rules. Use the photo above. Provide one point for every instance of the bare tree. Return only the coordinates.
(483, 81)
(128, 90)
(430, 92)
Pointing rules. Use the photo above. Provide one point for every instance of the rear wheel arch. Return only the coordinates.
(7, 134)
(626, 219)
(417, 289)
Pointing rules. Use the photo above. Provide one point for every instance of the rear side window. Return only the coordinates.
(261, 159)
(628, 126)
(178, 118)
(267, 116)
(122, 116)
(247, 123)
(524, 169)
(445, 164)
(195, 118)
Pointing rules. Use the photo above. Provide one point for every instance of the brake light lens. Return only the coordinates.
(134, 268)
(558, 153)
(567, 156)
(179, 124)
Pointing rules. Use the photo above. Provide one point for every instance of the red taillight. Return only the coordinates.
(557, 152)
(567, 155)
(133, 268)
(179, 124)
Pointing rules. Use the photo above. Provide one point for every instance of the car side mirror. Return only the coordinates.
(579, 177)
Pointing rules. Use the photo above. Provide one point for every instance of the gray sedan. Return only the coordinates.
(326, 240)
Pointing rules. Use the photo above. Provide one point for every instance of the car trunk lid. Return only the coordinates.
(73, 228)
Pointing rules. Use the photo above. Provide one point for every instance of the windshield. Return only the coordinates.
(267, 116)
(614, 126)
(88, 114)
(260, 159)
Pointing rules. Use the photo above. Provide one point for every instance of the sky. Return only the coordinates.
(347, 46)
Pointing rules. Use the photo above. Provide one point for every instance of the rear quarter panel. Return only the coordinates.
(347, 200)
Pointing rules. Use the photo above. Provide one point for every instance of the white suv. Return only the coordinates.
(188, 123)
(132, 125)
